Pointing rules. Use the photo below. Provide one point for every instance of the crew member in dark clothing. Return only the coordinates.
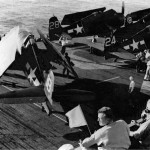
(106, 50)
(70, 62)
(63, 50)
(140, 64)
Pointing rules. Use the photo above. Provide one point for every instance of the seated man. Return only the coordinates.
(113, 134)
(143, 132)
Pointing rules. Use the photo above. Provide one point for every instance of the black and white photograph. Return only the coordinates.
(74, 74)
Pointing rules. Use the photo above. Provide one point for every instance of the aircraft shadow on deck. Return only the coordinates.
(77, 44)
(114, 95)
(123, 63)
(61, 75)
(80, 46)
(75, 136)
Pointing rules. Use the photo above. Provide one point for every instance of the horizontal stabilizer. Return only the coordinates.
(97, 45)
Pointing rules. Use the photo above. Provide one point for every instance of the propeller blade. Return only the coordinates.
(123, 8)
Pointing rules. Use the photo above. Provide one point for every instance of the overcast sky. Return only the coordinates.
(79, 5)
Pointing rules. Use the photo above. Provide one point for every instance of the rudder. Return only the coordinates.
(55, 28)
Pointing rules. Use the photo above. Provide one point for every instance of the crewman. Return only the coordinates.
(143, 115)
(70, 62)
(147, 74)
(62, 40)
(93, 41)
(131, 91)
(106, 50)
(140, 64)
(143, 132)
(112, 135)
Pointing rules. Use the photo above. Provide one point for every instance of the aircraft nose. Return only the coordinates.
(121, 20)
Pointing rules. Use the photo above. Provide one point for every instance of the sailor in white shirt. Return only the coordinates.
(113, 134)
(147, 74)
(131, 85)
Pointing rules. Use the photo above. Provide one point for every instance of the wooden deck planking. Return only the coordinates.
(26, 127)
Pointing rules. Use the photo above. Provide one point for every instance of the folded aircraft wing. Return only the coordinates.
(55, 50)
(71, 18)
(37, 93)
(10, 45)
(88, 41)
(119, 52)
(137, 15)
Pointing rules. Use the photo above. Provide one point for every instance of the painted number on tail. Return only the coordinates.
(108, 41)
(53, 25)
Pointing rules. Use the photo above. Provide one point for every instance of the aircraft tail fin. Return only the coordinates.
(55, 29)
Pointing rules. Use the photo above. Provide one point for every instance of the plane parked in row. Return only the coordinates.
(110, 27)
(22, 53)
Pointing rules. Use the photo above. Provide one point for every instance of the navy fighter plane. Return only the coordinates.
(110, 26)
(33, 61)
(22, 53)
(94, 23)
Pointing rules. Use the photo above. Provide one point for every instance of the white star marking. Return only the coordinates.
(32, 75)
(78, 29)
(134, 45)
